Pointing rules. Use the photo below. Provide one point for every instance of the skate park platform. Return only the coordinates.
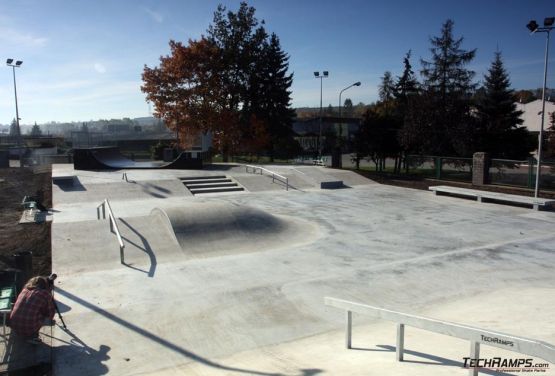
(233, 283)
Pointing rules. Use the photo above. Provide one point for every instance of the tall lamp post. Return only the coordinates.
(325, 74)
(535, 28)
(17, 64)
(340, 118)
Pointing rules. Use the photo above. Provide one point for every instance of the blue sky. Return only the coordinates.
(82, 60)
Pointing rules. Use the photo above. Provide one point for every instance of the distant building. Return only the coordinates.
(307, 131)
(532, 114)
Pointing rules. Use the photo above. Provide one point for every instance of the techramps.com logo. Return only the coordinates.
(498, 364)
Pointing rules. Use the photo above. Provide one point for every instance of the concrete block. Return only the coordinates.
(331, 184)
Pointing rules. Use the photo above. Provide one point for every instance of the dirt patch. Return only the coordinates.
(15, 183)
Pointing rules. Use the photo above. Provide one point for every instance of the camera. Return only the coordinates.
(51, 278)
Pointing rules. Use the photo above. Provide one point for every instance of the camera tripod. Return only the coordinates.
(51, 278)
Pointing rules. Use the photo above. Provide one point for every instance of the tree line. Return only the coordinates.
(234, 83)
(445, 113)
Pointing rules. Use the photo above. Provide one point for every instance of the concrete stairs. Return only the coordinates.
(211, 184)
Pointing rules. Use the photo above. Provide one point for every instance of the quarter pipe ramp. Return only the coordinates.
(106, 158)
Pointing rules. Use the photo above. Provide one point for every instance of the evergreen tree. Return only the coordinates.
(550, 138)
(386, 89)
(36, 131)
(446, 74)
(440, 118)
(347, 110)
(406, 88)
(13, 128)
(498, 132)
(406, 84)
(270, 98)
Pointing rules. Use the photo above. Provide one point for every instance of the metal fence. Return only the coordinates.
(521, 173)
(444, 168)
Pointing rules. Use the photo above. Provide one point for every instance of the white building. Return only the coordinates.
(532, 114)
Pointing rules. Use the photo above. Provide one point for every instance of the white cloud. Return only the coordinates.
(154, 15)
(99, 68)
(12, 36)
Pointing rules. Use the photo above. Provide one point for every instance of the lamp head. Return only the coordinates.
(548, 21)
(9, 61)
(356, 83)
(532, 26)
(18, 63)
(316, 74)
(326, 73)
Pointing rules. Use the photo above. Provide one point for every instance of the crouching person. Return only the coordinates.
(33, 306)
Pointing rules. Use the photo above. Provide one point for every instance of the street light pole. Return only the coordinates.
(534, 28)
(325, 74)
(16, 65)
(340, 118)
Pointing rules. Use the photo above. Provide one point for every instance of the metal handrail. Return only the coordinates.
(254, 168)
(476, 336)
(113, 224)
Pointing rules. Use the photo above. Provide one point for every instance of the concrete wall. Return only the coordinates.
(480, 168)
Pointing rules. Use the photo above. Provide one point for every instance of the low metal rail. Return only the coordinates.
(105, 206)
(476, 336)
(274, 175)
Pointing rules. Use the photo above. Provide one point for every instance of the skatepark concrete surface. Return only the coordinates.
(234, 283)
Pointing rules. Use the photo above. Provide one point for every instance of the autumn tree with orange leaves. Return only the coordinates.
(232, 83)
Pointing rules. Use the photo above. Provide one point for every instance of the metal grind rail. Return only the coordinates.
(113, 224)
(476, 336)
(274, 175)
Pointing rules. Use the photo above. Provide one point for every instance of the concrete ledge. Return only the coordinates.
(536, 203)
(331, 184)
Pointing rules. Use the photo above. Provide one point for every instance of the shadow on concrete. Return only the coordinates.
(310, 372)
(172, 346)
(70, 186)
(62, 307)
(145, 247)
(220, 167)
(150, 189)
(88, 360)
(433, 359)
(19, 355)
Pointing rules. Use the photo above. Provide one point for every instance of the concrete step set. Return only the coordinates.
(210, 184)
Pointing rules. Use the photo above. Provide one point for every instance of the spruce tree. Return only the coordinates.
(270, 99)
(387, 88)
(498, 130)
(36, 131)
(445, 125)
(405, 89)
(446, 74)
(406, 84)
(13, 128)
(347, 110)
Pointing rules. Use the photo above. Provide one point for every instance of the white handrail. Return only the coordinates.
(254, 168)
(113, 224)
(476, 336)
